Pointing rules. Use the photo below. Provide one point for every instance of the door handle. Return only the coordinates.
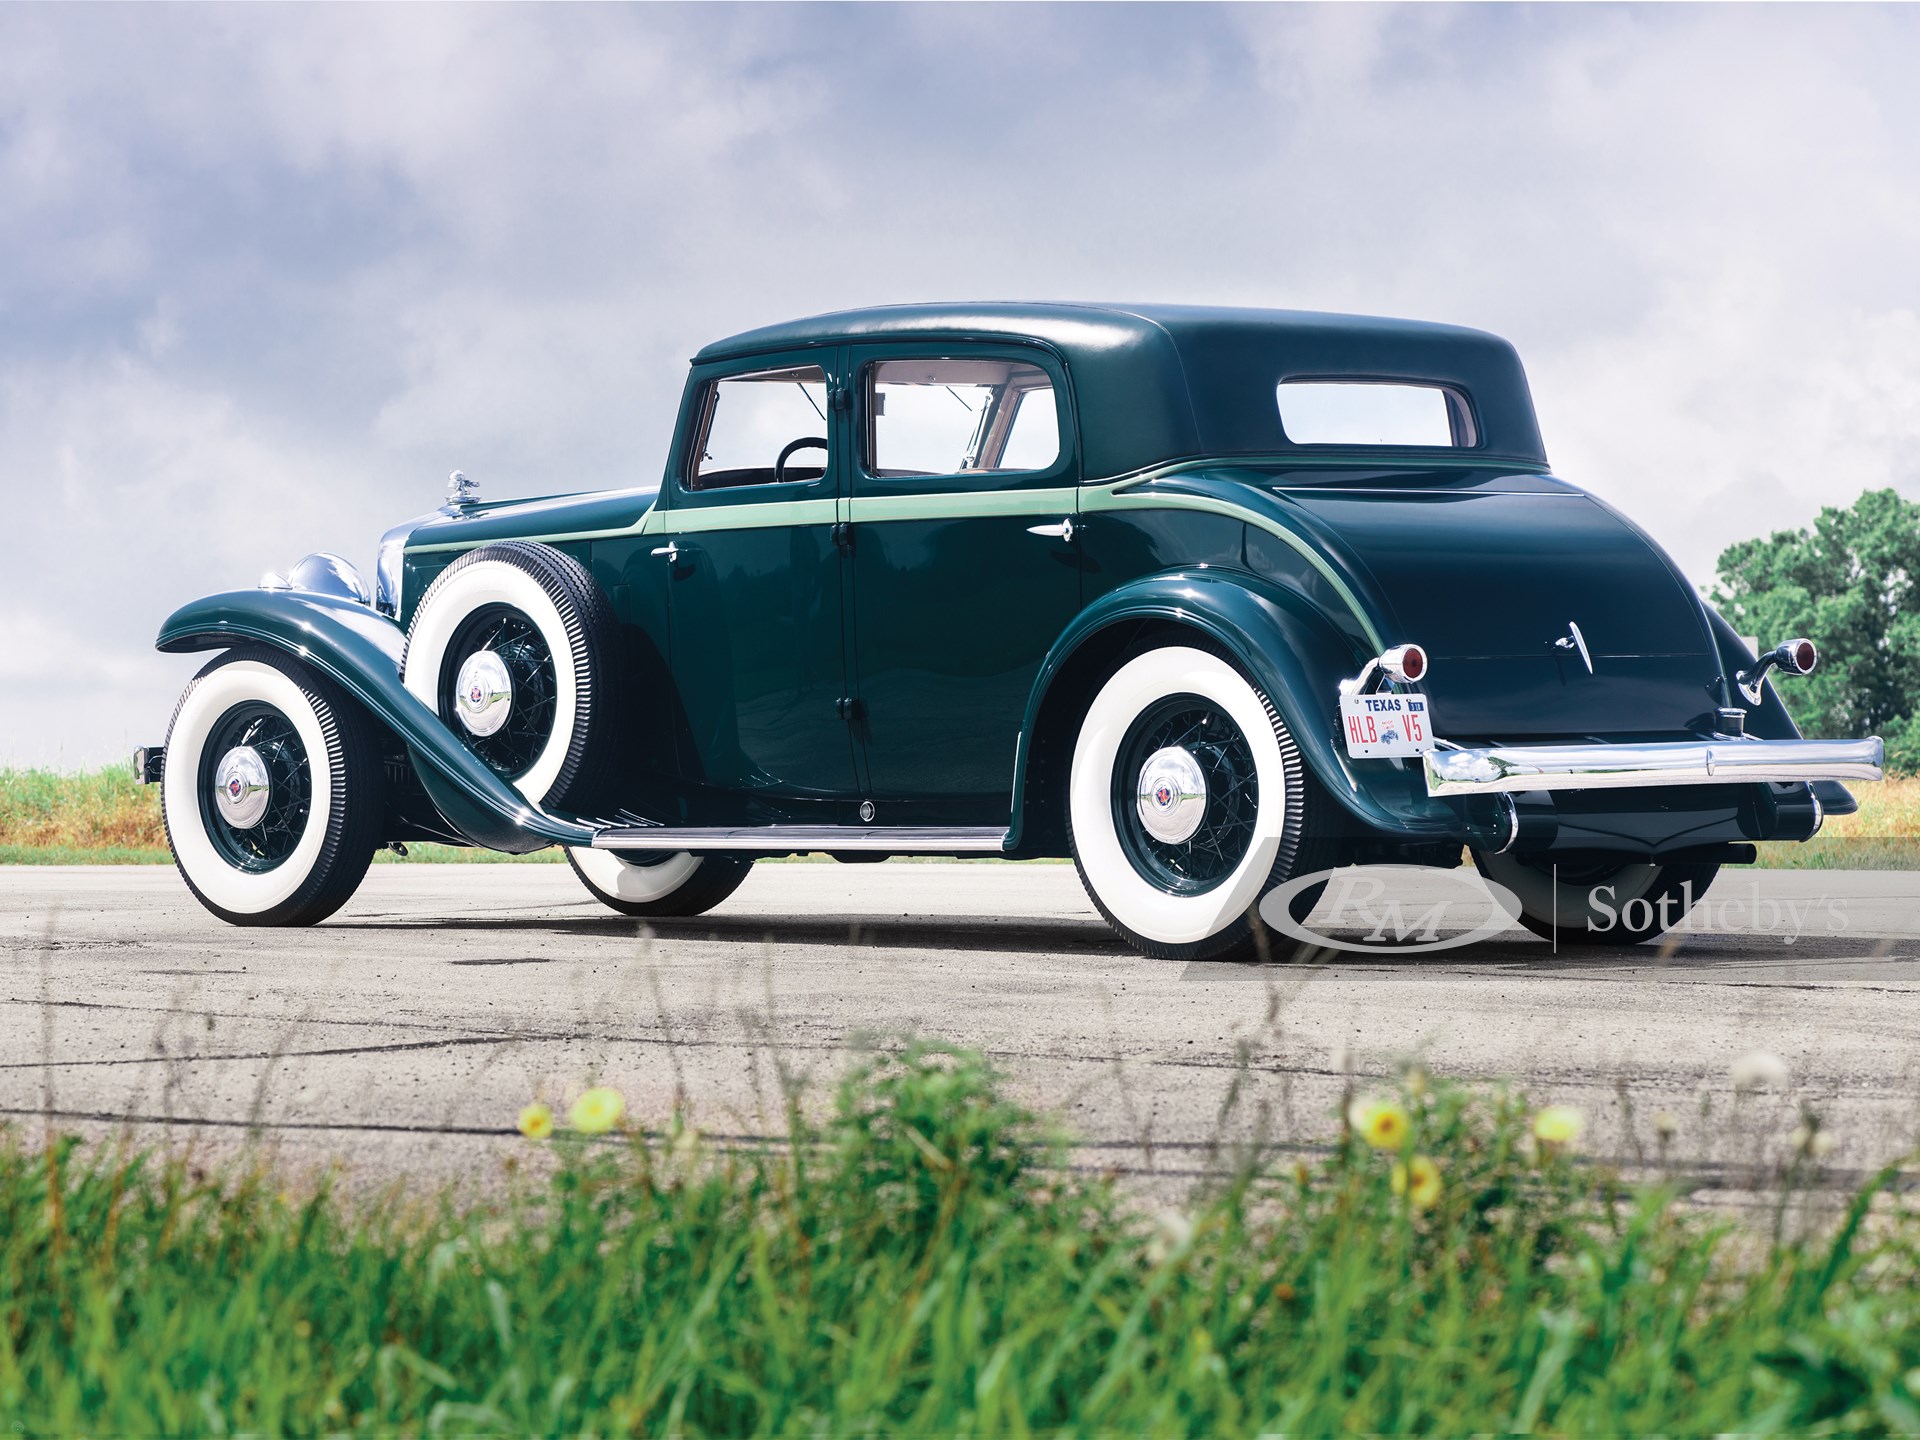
(671, 551)
(1064, 530)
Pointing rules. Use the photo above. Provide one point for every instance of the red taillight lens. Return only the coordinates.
(1805, 656)
(1414, 662)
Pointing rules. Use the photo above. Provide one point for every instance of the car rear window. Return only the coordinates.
(1374, 412)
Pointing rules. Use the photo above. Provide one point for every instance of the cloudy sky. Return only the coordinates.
(267, 274)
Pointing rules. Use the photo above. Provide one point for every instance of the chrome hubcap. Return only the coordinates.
(1172, 795)
(241, 787)
(484, 693)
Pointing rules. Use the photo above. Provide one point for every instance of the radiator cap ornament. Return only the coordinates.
(461, 490)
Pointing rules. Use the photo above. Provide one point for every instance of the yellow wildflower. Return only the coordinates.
(1383, 1124)
(1558, 1125)
(1419, 1180)
(536, 1122)
(598, 1110)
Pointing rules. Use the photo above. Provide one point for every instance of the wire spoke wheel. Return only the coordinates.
(270, 735)
(1202, 740)
(511, 750)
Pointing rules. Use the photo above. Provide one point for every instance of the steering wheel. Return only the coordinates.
(811, 442)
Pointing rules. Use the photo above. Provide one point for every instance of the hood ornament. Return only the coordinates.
(461, 490)
(1576, 642)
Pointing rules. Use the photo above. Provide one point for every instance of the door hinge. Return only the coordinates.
(848, 707)
(842, 535)
(840, 398)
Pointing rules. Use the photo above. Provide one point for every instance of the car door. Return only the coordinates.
(965, 568)
(757, 590)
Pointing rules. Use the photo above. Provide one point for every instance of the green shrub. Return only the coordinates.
(926, 1260)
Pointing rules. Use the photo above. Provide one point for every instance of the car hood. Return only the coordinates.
(547, 517)
(1491, 577)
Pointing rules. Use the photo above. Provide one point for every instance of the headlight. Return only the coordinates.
(389, 568)
(324, 574)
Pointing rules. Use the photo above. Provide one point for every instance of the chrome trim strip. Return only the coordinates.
(1498, 769)
(790, 839)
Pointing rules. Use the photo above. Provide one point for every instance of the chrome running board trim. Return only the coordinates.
(1498, 769)
(799, 839)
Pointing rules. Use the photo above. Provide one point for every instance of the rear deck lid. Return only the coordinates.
(1492, 581)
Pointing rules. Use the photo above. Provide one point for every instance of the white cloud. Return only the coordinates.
(267, 274)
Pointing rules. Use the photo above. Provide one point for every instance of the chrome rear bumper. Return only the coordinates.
(1497, 769)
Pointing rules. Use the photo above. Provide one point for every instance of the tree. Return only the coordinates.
(1850, 584)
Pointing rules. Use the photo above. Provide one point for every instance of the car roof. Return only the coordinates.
(1155, 384)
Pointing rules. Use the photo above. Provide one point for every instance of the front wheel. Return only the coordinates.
(1187, 802)
(272, 790)
(1598, 900)
(663, 885)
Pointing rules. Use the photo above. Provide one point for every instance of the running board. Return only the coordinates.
(801, 839)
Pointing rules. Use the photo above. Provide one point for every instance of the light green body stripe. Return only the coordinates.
(873, 509)
(695, 519)
(1092, 500)
(1324, 462)
(965, 505)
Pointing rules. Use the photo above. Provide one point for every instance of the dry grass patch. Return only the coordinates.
(102, 817)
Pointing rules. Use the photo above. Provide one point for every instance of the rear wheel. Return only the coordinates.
(637, 883)
(272, 791)
(1187, 802)
(1598, 900)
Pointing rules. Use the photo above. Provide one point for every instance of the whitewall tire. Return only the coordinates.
(538, 709)
(272, 790)
(1187, 802)
(658, 885)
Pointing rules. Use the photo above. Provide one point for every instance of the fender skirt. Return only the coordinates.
(1291, 651)
(359, 650)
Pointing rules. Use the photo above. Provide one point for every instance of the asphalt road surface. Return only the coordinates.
(403, 1036)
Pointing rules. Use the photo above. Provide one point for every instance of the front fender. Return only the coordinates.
(360, 651)
(1294, 653)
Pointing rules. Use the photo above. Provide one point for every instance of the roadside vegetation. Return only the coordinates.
(923, 1260)
(1851, 580)
(103, 817)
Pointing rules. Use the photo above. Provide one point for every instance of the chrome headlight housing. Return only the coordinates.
(389, 568)
(324, 574)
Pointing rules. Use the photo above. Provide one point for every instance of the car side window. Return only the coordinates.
(951, 416)
(760, 429)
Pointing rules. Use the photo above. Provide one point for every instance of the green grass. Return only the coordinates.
(102, 817)
(921, 1262)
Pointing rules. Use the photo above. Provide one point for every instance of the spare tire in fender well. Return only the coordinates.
(360, 650)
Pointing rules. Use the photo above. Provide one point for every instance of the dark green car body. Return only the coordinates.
(850, 648)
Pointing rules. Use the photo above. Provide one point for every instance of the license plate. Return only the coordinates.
(1385, 725)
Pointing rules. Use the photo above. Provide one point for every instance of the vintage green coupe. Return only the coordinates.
(1208, 600)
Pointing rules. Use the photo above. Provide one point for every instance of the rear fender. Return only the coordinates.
(360, 650)
(1294, 653)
